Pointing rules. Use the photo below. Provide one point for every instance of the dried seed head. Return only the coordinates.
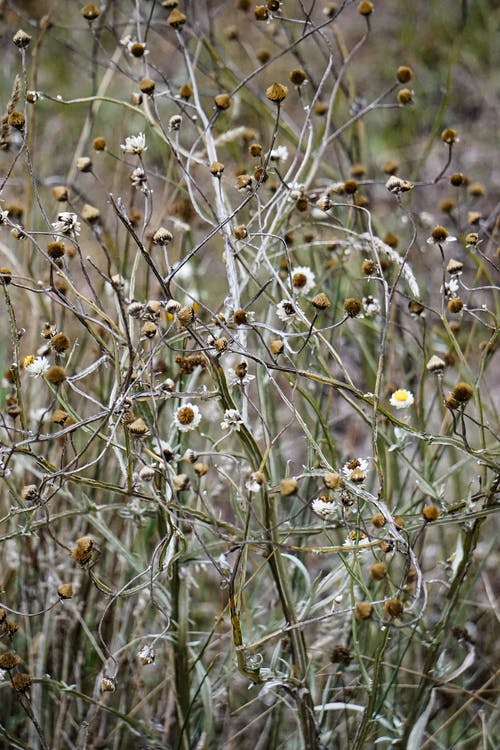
(471, 240)
(99, 144)
(396, 185)
(60, 193)
(353, 306)
(332, 480)
(240, 232)
(56, 249)
(240, 317)
(59, 416)
(276, 346)
(16, 120)
(405, 96)
(200, 468)
(320, 301)
(404, 74)
(9, 660)
(462, 392)
(244, 182)
(454, 267)
(391, 166)
(276, 92)
(455, 305)
(324, 203)
(180, 482)
(175, 122)
(90, 213)
(84, 164)
(449, 136)
(186, 91)
(21, 682)
(216, 168)
(149, 330)
(430, 512)
(363, 610)
(82, 553)
(56, 375)
(107, 685)
(138, 428)
(30, 493)
(298, 76)
(457, 179)
(365, 8)
(288, 486)
(350, 187)
(90, 12)
(393, 607)
(378, 520)
(5, 275)
(474, 217)
(436, 365)
(391, 239)
(186, 315)
(220, 344)
(415, 307)
(147, 85)
(147, 474)
(162, 236)
(137, 49)
(222, 101)
(21, 39)
(176, 19)
(260, 13)
(439, 234)
(399, 521)
(65, 591)
(60, 342)
(146, 655)
(378, 571)
(172, 307)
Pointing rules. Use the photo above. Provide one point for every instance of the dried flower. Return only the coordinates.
(67, 223)
(462, 392)
(285, 310)
(21, 39)
(320, 301)
(232, 420)
(288, 486)
(239, 376)
(134, 144)
(440, 235)
(21, 682)
(396, 185)
(449, 136)
(222, 101)
(430, 512)
(363, 610)
(174, 124)
(187, 417)
(60, 342)
(371, 307)
(378, 571)
(260, 13)
(176, 19)
(107, 685)
(9, 661)
(332, 480)
(216, 168)
(436, 365)
(353, 306)
(276, 93)
(393, 607)
(147, 85)
(401, 399)
(365, 8)
(298, 76)
(186, 315)
(404, 96)
(162, 237)
(378, 520)
(90, 12)
(82, 553)
(404, 74)
(146, 655)
(65, 590)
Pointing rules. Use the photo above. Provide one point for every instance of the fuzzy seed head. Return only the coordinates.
(439, 234)
(430, 512)
(378, 571)
(240, 232)
(16, 120)
(350, 187)
(222, 101)
(288, 486)
(462, 392)
(404, 96)
(320, 301)
(378, 520)
(436, 365)
(9, 660)
(216, 168)
(393, 608)
(21, 682)
(260, 13)
(65, 591)
(353, 306)
(404, 74)
(365, 8)
(21, 39)
(176, 19)
(363, 610)
(298, 76)
(449, 136)
(56, 375)
(276, 346)
(186, 315)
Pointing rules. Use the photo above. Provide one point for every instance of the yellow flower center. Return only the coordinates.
(401, 396)
(29, 360)
(299, 280)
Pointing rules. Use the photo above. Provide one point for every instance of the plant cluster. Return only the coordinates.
(249, 448)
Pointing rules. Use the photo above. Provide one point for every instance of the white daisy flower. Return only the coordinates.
(232, 420)
(187, 417)
(286, 310)
(280, 153)
(303, 279)
(324, 506)
(371, 307)
(401, 399)
(36, 366)
(134, 144)
(66, 223)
